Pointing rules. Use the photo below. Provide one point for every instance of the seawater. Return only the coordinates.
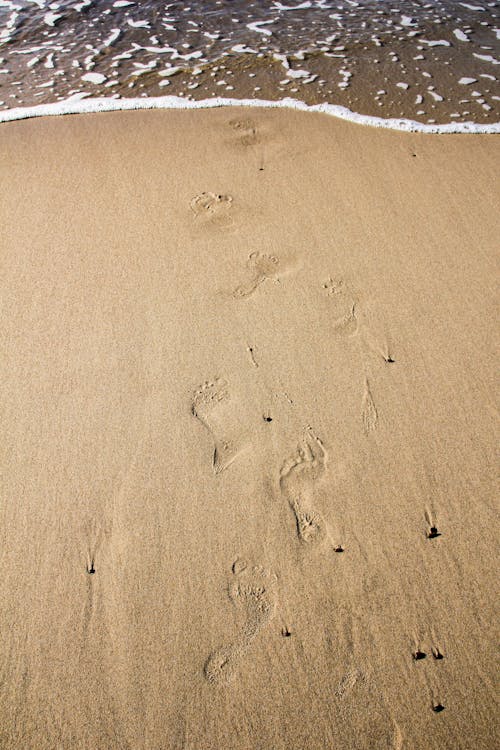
(433, 62)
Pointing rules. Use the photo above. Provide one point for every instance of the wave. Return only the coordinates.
(75, 105)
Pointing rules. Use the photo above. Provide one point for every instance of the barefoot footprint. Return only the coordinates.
(212, 207)
(206, 399)
(310, 524)
(297, 478)
(252, 590)
(261, 267)
(333, 287)
(210, 203)
(246, 130)
(345, 304)
(348, 323)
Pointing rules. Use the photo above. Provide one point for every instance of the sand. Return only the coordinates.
(247, 389)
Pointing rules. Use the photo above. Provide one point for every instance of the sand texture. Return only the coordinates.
(248, 419)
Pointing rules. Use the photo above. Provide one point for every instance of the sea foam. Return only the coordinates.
(73, 106)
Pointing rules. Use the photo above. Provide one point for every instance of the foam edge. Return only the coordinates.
(75, 105)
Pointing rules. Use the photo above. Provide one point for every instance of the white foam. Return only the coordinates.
(108, 104)
(168, 72)
(466, 81)
(5, 34)
(487, 58)
(51, 18)
(141, 68)
(298, 73)
(302, 6)
(256, 26)
(139, 24)
(436, 43)
(243, 49)
(94, 77)
(461, 36)
(115, 33)
(189, 56)
(283, 59)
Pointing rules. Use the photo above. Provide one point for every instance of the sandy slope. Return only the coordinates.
(199, 406)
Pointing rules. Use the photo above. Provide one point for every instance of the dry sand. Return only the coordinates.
(233, 344)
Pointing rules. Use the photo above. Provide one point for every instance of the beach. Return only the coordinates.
(248, 383)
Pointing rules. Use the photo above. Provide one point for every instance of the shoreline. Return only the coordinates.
(103, 104)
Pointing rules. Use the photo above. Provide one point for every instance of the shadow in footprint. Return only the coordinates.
(206, 399)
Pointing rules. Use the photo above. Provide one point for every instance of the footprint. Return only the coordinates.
(297, 478)
(311, 526)
(225, 452)
(369, 413)
(246, 130)
(206, 399)
(261, 267)
(252, 590)
(305, 467)
(220, 665)
(348, 681)
(334, 287)
(348, 323)
(207, 396)
(350, 319)
(212, 207)
(344, 306)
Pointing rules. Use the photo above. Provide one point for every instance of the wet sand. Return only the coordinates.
(248, 434)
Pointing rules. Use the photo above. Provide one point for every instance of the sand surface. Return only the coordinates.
(247, 365)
